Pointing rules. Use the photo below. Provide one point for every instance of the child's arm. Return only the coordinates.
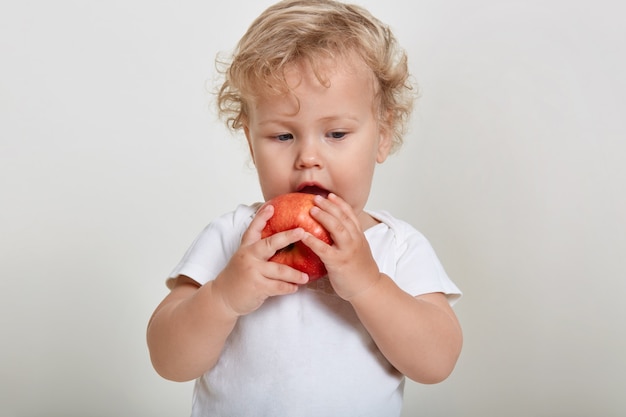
(420, 336)
(188, 329)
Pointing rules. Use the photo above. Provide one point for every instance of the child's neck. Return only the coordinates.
(366, 221)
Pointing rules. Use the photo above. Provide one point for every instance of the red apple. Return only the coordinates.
(292, 210)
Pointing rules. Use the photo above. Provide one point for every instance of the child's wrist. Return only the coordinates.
(370, 288)
(220, 301)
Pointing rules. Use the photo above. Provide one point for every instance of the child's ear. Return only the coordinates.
(246, 131)
(385, 143)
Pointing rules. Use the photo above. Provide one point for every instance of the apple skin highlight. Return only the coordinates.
(292, 210)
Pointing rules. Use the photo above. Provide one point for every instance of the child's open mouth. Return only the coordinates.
(314, 189)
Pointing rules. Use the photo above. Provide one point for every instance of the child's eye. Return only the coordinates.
(284, 137)
(337, 135)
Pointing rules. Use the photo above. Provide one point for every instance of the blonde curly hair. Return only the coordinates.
(295, 30)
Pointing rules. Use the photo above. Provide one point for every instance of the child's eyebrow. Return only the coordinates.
(325, 119)
(345, 116)
(271, 122)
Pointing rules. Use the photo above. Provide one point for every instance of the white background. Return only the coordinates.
(112, 160)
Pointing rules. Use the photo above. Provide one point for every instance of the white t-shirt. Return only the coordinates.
(307, 354)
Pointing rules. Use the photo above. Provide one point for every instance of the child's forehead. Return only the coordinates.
(318, 70)
(350, 89)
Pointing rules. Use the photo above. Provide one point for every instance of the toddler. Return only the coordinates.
(320, 89)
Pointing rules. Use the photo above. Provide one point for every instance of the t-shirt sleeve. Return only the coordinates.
(424, 272)
(404, 254)
(213, 247)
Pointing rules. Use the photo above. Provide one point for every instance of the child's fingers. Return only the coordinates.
(335, 215)
(267, 247)
(319, 247)
(258, 223)
(282, 274)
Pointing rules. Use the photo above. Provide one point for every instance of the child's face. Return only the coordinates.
(330, 143)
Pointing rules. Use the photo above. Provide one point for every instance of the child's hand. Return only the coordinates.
(249, 279)
(349, 261)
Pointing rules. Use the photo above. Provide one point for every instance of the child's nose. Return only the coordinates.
(308, 153)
